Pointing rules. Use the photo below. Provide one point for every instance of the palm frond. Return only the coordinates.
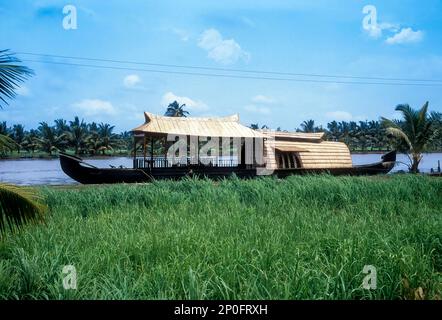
(6, 143)
(18, 206)
(411, 117)
(11, 74)
(398, 133)
(423, 113)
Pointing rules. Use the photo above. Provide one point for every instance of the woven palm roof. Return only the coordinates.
(284, 135)
(203, 127)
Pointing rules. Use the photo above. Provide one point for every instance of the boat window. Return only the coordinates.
(287, 160)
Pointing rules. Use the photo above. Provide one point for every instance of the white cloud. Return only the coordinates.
(339, 115)
(221, 50)
(91, 107)
(257, 109)
(263, 99)
(375, 30)
(22, 91)
(131, 80)
(191, 104)
(406, 35)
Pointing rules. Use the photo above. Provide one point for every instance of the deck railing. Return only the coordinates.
(163, 162)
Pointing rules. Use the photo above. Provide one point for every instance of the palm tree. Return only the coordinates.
(49, 141)
(61, 126)
(92, 127)
(174, 109)
(107, 137)
(333, 130)
(308, 126)
(437, 141)
(6, 142)
(93, 142)
(77, 134)
(124, 141)
(17, 205)
(30, 142)
(18, 134)
(414, 132)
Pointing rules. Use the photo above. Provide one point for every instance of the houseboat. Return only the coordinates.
(177, 147)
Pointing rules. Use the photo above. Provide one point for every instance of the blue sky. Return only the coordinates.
(314, 37)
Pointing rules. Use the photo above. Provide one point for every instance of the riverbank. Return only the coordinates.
(299, 238)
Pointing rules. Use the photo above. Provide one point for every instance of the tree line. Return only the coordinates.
(93, 138)
(78, 136)
(370, 135)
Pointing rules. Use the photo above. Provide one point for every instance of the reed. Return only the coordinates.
(300, 238)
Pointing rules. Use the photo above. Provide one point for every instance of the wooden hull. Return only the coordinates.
(84, 173)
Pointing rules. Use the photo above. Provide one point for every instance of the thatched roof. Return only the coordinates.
(204, 127)
(312, 150)
(301, 136)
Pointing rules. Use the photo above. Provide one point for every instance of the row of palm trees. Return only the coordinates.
(369, 135)
(93, 139)
(77, 135)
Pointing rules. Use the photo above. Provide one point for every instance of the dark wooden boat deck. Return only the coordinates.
(85, 173)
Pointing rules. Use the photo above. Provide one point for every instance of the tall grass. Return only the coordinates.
(299, 238)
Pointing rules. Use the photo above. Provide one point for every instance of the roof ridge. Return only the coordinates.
(230, 118)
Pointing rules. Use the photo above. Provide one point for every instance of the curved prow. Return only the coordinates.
(76, 159)
(389, 157)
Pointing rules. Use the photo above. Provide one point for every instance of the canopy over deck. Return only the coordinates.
(203, 127)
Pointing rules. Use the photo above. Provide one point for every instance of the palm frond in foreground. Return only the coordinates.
(18, 206)
(11, 74)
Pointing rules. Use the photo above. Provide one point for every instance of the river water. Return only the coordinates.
(48, 172)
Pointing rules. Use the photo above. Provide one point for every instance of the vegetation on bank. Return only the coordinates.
(89, 139)
(300, 238)
(418, 130)
(92, 139)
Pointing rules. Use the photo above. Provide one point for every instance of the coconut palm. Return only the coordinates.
(6, 144)
(174, 109)
(77, 134)
(107, 137)
(308, 126)
(61, 126)
(18, 134)
(49, 141)
(17, 205)
(93, 143)
(30, 142)
(414, 132)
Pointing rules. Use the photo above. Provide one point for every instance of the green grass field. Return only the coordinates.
(299, 238)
